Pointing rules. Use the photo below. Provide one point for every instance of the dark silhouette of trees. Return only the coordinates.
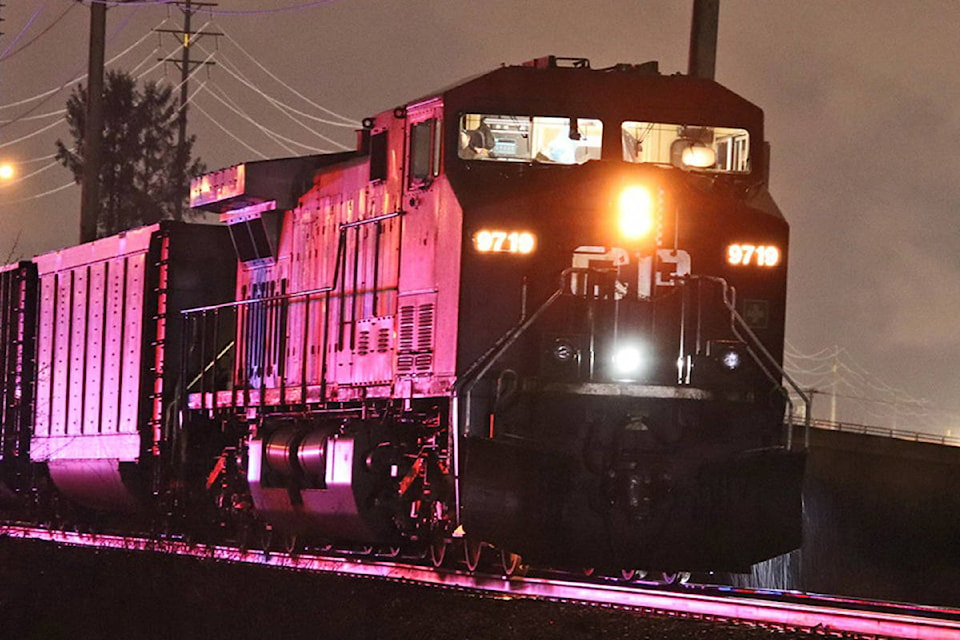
(142, 175)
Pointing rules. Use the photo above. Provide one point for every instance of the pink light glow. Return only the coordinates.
(910, 624)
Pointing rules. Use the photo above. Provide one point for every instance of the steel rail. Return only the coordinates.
(920, 623)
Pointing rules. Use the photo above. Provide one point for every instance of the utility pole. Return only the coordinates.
(833, 384)
(93, 127)
(186, 66)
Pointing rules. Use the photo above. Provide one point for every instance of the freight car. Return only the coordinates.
(92, 347)
(540, 311)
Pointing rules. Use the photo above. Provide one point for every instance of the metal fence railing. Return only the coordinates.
(899, 434)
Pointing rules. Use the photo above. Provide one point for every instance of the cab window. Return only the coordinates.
(696, 148)
(538, 139)
(424, 152)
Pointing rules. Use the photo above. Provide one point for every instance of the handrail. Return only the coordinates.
(754, 346)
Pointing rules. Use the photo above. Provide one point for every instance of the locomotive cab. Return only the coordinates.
(624, 407)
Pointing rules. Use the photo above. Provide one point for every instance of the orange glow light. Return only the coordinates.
(636, 212)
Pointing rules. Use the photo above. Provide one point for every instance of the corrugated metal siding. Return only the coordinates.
(91, 332)
(18, 297)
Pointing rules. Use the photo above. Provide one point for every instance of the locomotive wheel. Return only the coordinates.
(243, 537)
(510, 563)
(438, 551)
(674, 577)
(471, 553)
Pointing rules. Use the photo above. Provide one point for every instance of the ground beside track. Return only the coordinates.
(53, 592)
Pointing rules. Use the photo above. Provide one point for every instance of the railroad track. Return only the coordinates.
(823, 615)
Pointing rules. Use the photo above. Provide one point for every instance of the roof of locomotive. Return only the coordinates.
(625, 91)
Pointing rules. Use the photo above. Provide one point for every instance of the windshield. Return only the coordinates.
(702, 148)
(542, 139)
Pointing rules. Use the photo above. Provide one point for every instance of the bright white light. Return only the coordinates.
(628, 361)
(731, 360)
(6, 171)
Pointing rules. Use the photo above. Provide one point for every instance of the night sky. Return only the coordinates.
(862, 100)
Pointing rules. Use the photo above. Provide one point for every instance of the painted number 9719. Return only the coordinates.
(760, 255)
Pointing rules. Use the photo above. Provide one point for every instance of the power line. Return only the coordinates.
(282, 107)
(351, 121)
(50, 93)
(26, 27)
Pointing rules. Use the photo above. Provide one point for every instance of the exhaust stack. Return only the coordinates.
(703, 39)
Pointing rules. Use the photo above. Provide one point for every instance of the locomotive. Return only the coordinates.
(541, 311)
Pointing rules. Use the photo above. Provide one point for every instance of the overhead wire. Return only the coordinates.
(7, 53)
(218, 124)
(352, 122)
(223, 98)
(39, 116)
(282, 107)
(259, 12)
(48, 94)
(834, 372)
(33, 134)
(43, 97)
(280, 139)
(40, 195)
(27, 176)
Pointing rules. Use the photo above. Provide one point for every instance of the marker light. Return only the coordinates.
(698, 156)
(636, 213)
(730, 360)
(564, 351)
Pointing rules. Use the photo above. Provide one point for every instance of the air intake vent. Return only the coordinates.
(425, 321)
(383, 340)
(363, 342)
(407, 328)
(417, 326)
(423, 362)
(404, 364)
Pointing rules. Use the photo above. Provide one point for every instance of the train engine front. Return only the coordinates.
(542, 309)
(622, 307)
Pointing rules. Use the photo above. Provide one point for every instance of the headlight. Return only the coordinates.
(636, 212)
(629, 362)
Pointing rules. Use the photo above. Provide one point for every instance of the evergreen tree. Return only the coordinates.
(142, 175)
